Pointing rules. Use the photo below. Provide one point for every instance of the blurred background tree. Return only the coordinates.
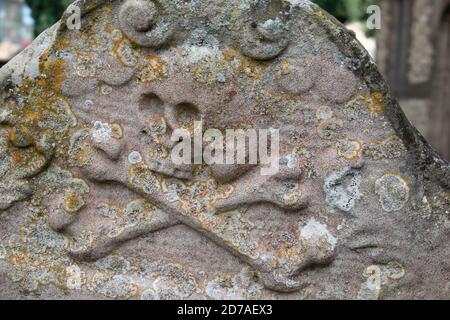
(346, 10)
(46, 13)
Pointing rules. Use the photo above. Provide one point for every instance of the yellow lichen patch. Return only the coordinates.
(375, 102)
(153, 68)
(379, 276)
(349, 149)
(285, 70)
(197, 72)
(293, 197)
(157, 127)
(293, 252)
(137, 214)
(161, 153)
(124, 51)
(395, 271)
(83, 156)
(116, 131)
(12, 136)
(80, 149)
(143, 180)
(216, 68)
(31, 115)
(73, 202)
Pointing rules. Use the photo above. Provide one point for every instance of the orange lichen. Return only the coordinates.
(251, 68)
(229, 54)
(16, 157)
(52, 69)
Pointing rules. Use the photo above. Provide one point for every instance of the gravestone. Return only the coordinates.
(93, 207)
(413, 53)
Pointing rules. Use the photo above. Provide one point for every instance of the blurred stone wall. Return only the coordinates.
(413, 52)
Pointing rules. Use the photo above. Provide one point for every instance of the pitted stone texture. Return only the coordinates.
(92, 206)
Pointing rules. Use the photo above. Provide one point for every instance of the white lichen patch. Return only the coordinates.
(114, 263)
(391, 148)
(342, 189)
(37, 256)
(295, 3)
(169, 282)
(235, 230)
(75, 277)
(291, 160)
(324, 113)
(148, 295)
(315, 231)
(82, 242)
(393, 192)
(113, 286)
(88, 104)
(243, 285)
(102, 132)
(200, 46)
(135, 157)
(196, 53)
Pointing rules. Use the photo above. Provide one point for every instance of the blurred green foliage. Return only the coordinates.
(346, 10)
(46, 13)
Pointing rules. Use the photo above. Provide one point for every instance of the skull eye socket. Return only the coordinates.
(187, 114)
(151, 103)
